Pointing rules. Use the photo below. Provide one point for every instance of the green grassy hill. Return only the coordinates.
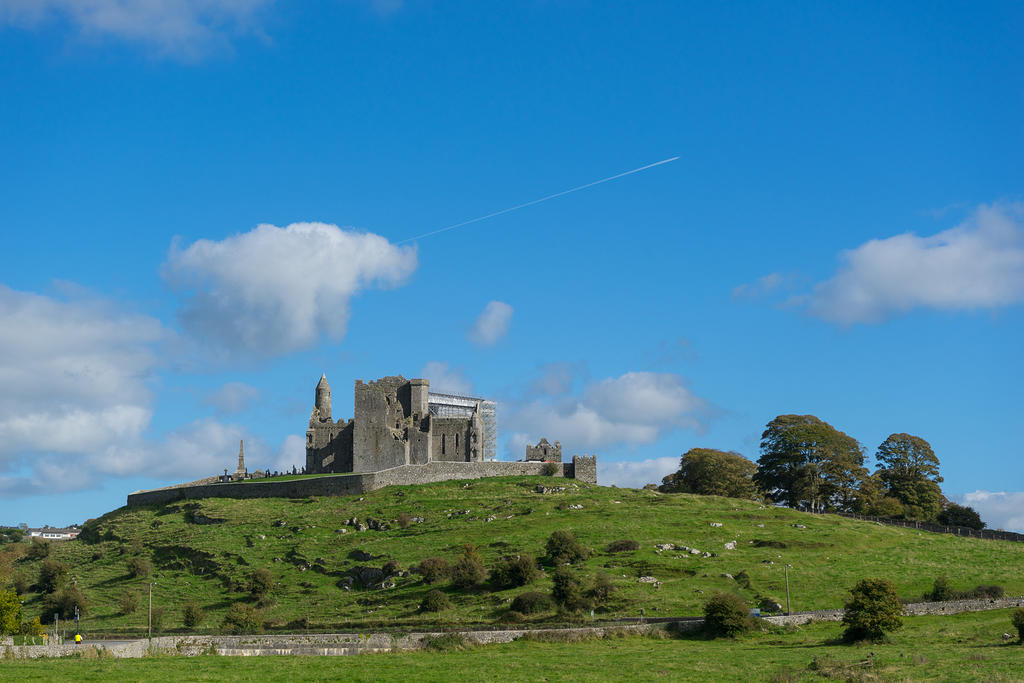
(205, 551)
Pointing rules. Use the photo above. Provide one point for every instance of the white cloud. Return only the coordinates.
(635, 474)
(446, 380)
(976, 265)
(635, 408)
(185, 29)
(763, 286)
(492, 324)
(998, 509)
(291, 454)
(556, 379)
(233, 397)
(75, 406)
(275, 290)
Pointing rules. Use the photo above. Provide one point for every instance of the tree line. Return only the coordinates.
(808, 464)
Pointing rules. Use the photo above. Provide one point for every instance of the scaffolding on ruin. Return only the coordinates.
(452, 405)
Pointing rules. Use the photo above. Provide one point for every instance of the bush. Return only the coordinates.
(21, 584)
(434, 569)
(531, 603)
(139, 567)
(435, 601)
(942, 589)
(156, 618)
(562, 547)
(39, 549)
(510, 572)
(52, 575)
(872, 610)
(993, 591)
(601, 589)
(10, 612)
(624, 546)
(64, 602)
(242, 618)
(193, 615)
(550, 469)
(32, 628)
(261, 582)
(404, 520)
(568, 590)
(129, 602)
(1017, 619)
(468, 570)
(726, 614)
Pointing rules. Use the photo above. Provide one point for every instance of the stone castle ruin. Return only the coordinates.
(398, 422)
(400, 433)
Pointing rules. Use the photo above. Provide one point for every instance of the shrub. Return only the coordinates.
(39, 549)
(156, 618)
(511, 617)
(942, 589)
(139, 567)
(468, 570)
(531, 603)
(726, 614)
(550, 469)
(32, 628)
(434, 569)
(624, 546)
(1017, 619)
(435, 601)
(601, 589)
(21, 584)
(993, 591)
(872, 610)
(445, 643)
(261, 582)
(10, 612)
(193, 615)
(129, 602)
(52, 575)
(64, 602)
(404, 520)
(242, 618)
(567, 591)
(515, 571)
(563, 547)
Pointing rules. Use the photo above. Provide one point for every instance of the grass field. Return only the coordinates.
(301, 542)
(965, 647)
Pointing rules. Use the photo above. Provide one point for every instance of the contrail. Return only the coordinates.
(538, 201)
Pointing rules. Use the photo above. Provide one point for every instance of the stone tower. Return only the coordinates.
(323, 398)
(240, 472)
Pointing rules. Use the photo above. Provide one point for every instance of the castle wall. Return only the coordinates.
(449, 438)
(341, 484)
(329, 447)
(584, 468)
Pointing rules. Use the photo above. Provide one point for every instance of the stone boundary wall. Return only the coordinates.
(340, 484)
(913, 609)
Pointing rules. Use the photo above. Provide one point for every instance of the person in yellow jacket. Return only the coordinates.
(78, 639)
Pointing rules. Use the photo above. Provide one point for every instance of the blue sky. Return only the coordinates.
(205, 204)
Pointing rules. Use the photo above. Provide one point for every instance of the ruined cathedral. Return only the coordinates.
(398, 422)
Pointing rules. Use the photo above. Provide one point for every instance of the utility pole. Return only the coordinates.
(787, 591)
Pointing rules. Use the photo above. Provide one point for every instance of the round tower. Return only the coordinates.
(323, 397)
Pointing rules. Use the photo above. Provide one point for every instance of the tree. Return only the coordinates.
(192, 615)
(873, 610)
(242, 618)
(726, 614)
(960, 515)
(510, 572)
(562, 547)
(710, 472)
(10, 612)
(568, 590)
(52, 574)
(909, 471)
(805, 461)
